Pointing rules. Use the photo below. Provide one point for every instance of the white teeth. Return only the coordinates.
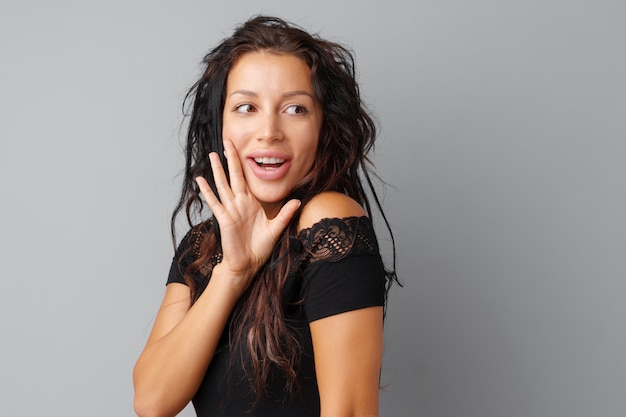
(268, 160)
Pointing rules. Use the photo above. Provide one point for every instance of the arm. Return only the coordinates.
(348, 346)
(180, 346)
(348, 354)
(184, 337)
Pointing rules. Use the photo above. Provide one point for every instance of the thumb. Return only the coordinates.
(284, 215)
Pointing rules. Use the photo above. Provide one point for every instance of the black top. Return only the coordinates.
(336, 269)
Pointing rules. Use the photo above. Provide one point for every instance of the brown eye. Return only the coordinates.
(296, 109)
(245, 108)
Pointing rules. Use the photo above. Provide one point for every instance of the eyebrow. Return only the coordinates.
(250, 93)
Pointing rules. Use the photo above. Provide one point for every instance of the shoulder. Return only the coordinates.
(330, 204)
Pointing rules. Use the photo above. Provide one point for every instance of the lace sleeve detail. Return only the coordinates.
(188, 251)
(341, 267)
(332, 239)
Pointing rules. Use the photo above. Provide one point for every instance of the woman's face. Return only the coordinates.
(273, 119)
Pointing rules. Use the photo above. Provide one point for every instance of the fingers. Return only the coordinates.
(221, 182)
(237, 184)
(226, 190)
(237, 180)
(209, 196)
(230, 192)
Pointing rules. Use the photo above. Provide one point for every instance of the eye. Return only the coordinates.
(296, 109)
(245, 108)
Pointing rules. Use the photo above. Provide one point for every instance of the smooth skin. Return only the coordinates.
(347, 347)
(270, 110)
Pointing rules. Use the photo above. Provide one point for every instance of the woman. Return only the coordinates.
(274, 305)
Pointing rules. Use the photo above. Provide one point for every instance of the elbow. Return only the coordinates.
(145, 407)
(147, 403)
(151, 402)
(144, 403)
(153, 399)
(148, 400)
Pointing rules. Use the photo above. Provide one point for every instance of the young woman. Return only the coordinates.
(274, 305)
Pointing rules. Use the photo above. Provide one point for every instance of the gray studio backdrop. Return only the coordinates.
(503, 135)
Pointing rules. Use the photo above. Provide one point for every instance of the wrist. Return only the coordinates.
(234, 282)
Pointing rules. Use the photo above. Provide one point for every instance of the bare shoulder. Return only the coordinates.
(330, 204)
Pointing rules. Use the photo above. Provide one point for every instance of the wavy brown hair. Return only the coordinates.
(347, 135)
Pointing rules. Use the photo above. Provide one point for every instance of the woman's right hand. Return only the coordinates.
(248, 236)
(184, 336)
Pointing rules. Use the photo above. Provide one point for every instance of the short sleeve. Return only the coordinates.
(343, 270)
(187, 252)
(183, 257)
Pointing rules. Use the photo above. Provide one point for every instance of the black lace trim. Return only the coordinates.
(195, 239)
(332, 239)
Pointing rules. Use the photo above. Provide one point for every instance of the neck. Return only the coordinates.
(272, 209)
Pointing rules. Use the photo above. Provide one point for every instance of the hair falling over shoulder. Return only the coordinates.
(347, 135)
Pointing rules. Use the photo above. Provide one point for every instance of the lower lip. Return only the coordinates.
(269, 174)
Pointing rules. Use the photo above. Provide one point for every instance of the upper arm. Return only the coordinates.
(176, 302)
(348, 351)
(348, 346)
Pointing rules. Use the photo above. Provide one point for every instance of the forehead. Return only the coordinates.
(268, 71)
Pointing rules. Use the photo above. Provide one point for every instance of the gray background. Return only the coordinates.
(503, 133)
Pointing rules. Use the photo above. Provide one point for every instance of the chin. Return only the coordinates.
(272, 201)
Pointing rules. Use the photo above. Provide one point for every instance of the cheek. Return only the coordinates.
(311, 152)
(232, 134)
(226, 130)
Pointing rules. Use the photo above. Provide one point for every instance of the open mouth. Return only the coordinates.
(269, 162)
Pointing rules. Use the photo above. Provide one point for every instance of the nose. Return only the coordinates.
(270, 129)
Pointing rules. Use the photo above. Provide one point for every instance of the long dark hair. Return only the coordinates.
(347, 135)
